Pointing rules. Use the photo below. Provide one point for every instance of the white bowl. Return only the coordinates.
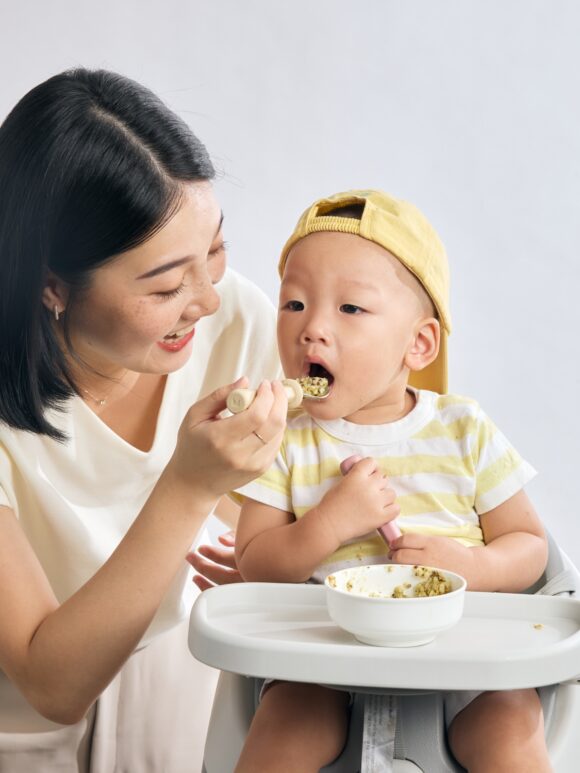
(360, 600)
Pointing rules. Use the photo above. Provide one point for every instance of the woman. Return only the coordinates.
(112, 272)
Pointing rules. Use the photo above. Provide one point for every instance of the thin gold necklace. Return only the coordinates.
(102, 401)
(96, 400)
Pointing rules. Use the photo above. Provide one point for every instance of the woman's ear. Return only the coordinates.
(55, 295)
(424, 347)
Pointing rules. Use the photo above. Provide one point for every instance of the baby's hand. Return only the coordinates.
(361, 501)
(440, 552)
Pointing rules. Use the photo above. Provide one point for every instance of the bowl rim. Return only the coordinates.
(388, 599)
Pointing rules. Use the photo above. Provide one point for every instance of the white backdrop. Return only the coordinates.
(469, 109)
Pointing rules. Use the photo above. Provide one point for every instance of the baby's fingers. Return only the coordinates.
(406, 556)
(410, 541)
(408, 549)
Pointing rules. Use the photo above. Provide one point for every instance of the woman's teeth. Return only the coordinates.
(179, 334)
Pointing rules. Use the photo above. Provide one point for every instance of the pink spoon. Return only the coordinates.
(389, 531)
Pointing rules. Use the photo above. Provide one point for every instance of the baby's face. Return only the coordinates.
(347, 312)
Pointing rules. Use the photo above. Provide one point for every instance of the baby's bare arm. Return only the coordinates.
(271, 546)
(513, 557)
(516, 548)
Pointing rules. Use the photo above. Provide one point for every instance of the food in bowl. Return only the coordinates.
(396, 605)
(433, 583)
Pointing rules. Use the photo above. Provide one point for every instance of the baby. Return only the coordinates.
(364, 303)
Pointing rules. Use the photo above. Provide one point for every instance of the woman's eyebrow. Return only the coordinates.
(178, 262)
(164, 267)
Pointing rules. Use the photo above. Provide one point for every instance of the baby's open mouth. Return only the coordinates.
(317, 384)
(315, 370)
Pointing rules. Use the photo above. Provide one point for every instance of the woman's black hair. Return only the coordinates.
(91, 165)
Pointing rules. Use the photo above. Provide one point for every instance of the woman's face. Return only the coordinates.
(140, 310)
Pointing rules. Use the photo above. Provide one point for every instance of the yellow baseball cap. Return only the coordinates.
(403, 230)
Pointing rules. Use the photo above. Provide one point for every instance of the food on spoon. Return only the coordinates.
(314, 386)
(310, 386)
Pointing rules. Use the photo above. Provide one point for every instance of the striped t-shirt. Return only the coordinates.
(446, 461)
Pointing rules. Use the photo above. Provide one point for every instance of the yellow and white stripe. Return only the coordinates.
(446, 460)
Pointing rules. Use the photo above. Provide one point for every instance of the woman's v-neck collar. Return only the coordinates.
(87, 415)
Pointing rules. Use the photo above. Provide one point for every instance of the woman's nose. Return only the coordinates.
(206, 301)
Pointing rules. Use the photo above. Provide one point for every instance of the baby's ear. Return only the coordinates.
(424, 346)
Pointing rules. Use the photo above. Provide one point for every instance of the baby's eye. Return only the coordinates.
(350, 308)
(294, 306)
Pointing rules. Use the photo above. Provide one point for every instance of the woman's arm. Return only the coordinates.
(62, 656)
(228, 512)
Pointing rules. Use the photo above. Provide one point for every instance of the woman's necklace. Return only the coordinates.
(100, 402)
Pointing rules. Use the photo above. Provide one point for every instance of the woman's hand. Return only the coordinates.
(215, 565)
(215, 455)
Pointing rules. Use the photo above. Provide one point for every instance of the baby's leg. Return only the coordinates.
(501, 731)
(297, 727)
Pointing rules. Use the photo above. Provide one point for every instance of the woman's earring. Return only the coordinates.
(56, 313)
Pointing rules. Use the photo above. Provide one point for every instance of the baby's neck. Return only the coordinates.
(386, 413)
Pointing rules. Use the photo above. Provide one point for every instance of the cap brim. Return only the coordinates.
(434, 376)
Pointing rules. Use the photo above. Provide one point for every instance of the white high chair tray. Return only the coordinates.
(503, 641)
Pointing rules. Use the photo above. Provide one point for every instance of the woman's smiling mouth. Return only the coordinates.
(174, 342)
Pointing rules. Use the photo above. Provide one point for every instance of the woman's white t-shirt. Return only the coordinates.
(76, 500)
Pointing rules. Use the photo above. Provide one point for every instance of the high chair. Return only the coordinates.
(247, 631)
